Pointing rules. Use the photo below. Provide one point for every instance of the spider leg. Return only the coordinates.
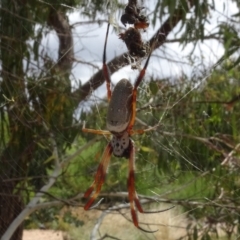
(99, 177)
(134, 94)
(94, 131)
(105, 68)
(132, 194)
(141, 131)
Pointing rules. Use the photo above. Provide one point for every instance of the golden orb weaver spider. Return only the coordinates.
(120, 120)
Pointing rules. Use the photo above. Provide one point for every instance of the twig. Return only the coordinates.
(54, 145)
(87, 63)
(229, 156)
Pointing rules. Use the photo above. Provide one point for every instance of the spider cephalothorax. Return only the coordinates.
(120, 121)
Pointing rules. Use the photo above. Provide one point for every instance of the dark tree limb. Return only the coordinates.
(59, 22)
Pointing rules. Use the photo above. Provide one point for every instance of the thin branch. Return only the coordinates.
(230, 155)
(181, 202)
(209, 37)
(54, 145)
(84, 62)
(99, 22)
(97, 225)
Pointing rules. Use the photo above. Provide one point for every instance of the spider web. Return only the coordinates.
(196, 141)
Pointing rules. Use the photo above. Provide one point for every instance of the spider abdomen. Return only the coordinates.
(120, 107)
(121, 145)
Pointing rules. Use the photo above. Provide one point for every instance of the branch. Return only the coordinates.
(59, 22)
(229, 157)
(158, 199)
(192, 39)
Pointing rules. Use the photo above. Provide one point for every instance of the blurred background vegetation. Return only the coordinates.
(192, 160)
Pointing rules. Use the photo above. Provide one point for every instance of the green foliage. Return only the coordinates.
(186, 165)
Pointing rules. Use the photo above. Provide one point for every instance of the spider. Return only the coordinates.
(120, 120)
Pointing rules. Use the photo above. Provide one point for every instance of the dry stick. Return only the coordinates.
(183, 202)
(230, 155)
(31, 206)
(97, 225)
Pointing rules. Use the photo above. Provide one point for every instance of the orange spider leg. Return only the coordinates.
(141, 131)
(134, 94)
(132, 194)
(99, 177)
(105, 67)
(94, 131)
